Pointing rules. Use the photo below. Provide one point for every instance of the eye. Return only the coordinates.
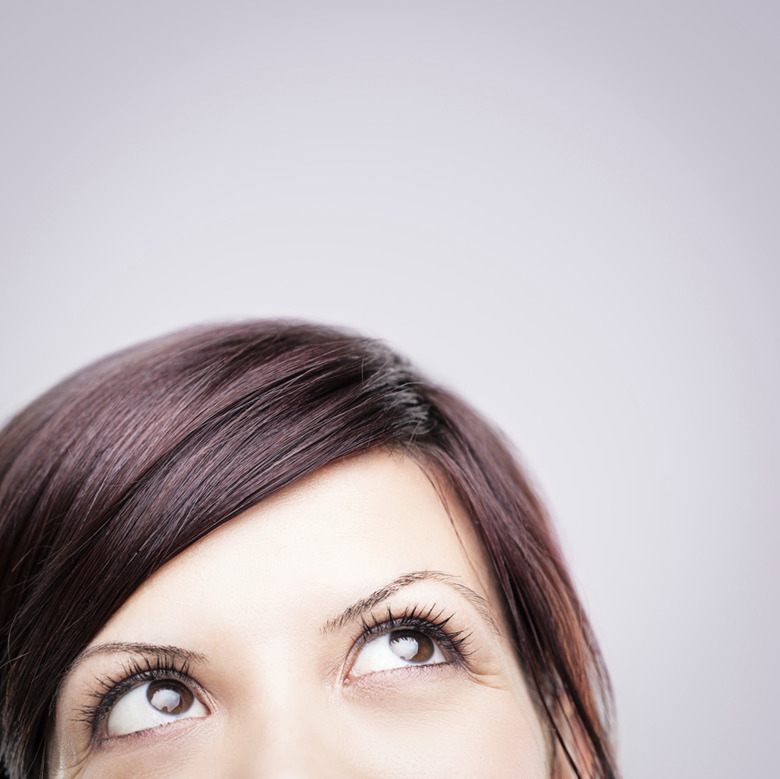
(151, 704)
(397, 649)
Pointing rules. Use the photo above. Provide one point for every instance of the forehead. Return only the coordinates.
(346, 529)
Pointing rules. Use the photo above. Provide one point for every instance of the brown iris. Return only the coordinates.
(169, 697)
(412, 646)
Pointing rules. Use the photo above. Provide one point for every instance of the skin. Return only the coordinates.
(270, 608)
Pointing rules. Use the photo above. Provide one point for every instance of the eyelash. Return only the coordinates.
(162, 665)
(166, 665)
(427, 620)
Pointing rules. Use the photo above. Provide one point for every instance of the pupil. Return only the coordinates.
(411, 646)
(169, 697)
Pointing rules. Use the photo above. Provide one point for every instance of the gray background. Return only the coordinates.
(565, 210)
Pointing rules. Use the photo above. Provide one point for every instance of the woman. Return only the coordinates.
(273, 549)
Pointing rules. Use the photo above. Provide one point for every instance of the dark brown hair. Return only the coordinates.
(127, 463)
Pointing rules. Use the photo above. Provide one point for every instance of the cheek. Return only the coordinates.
(476, 732)
(192, 752)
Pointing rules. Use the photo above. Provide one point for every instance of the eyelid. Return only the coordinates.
(137, 671)
(433, 621)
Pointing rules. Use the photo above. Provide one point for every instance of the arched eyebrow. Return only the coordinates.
(350, 614)
(364, 605)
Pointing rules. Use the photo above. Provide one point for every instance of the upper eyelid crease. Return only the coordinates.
(350, 614)
(121, 647)
(360, 607)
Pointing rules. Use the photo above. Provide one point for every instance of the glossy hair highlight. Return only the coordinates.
(127, 463)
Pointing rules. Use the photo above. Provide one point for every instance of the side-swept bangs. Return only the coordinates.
(127, 463)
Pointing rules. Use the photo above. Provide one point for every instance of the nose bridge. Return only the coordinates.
(290, 749)
(291, 732)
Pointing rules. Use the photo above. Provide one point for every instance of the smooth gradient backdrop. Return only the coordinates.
(567, 211)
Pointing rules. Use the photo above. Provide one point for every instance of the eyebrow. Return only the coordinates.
(350, 614)
(123, 647)
(364, 605)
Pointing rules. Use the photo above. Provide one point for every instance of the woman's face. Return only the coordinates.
(346, 627)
